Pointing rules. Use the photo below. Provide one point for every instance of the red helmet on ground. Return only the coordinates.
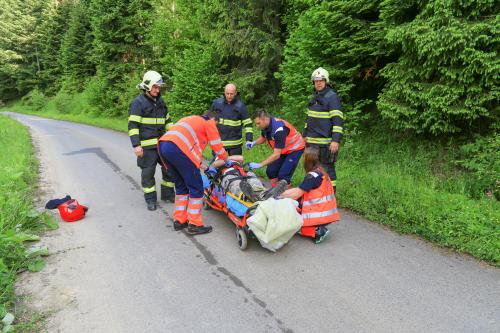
(72, 211)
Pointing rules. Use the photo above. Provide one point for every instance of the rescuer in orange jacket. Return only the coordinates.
(181, 150)
(319, 206)
(287, 144)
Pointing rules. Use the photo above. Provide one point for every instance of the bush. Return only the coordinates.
(35, 99)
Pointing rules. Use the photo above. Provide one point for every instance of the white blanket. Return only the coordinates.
(275, 222)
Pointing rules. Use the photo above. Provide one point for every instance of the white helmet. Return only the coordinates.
(150, 79)
(320, 74)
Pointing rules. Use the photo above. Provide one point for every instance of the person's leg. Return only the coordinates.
(235, 150)
(170, 154)
(289, 165)
(273, 169)
(147, 163)
(167, 192)
(328, 163)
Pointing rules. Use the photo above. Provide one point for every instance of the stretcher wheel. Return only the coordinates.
(241, 237)
(205, 205)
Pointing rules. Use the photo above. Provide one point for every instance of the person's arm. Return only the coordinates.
(273, 157)
(292, 193)
(337, 120)
(134, 121)
(260, 140)
(235, 158)
(215, 141)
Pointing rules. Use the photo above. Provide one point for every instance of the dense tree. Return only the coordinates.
(446, 79)
(76, 48)
(19, 53)
(343, 37)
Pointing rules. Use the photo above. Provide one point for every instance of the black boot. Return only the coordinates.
(196, 230)
(167, 194)
(179, 226)
(151, 205)
(275, 191)
(248, 191)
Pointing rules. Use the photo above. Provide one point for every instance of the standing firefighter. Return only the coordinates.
(181, 149)
(233, 120)
(325, 120)
(148, 120)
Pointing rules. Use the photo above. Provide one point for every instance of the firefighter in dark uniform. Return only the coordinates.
(233, 120)
(148, 120)
(324, 123)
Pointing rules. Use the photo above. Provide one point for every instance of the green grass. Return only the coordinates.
(19, 222)
(409, 185)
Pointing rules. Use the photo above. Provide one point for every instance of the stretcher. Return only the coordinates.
(237, 208)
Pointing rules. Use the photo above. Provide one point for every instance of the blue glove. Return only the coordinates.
(229, 163)
(250, 144)
(211, 171)
(254, 165)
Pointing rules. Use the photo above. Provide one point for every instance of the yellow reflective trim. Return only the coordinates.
(169, 126)
(135, 118)
(232, 143)
(334, 182)
(318, 114)
(336, 113)
(229, 122)
(167, 184)
(248, 130)
(337, 129)
(318, 141)
(246, 121)
(153, 121)
(149, 189)
(149, 142)
(134, 131)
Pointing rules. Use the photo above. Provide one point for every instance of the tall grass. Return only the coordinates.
(408, 184)
(19, 222)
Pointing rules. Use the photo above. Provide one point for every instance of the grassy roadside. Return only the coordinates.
(396, 181)
(19, 222)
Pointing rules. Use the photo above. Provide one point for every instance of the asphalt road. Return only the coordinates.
(124, 269)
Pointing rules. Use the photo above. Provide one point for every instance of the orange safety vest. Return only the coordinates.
(293, 141)
(319, 205)
(192, 134)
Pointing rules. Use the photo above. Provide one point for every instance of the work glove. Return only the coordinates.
(254, 165)
(250, 144)
(229, 163)
(212, 171)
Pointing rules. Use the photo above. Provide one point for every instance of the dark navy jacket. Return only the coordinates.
(233, 118)
(325, 118)
(147, 121)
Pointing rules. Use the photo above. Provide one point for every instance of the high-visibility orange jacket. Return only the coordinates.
(319, 205)
(192, 134)
(293, 141)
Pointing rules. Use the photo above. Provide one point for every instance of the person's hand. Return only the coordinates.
(250, 144)
(334, 147)
(254, 165)
(212, 171)
(203, 166)
(138, 151)
(229, 163)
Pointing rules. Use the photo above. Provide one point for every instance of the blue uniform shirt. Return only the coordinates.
(276, 131)
(312, 180)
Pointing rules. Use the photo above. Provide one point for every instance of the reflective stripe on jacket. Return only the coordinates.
(319, 205)
(294, 140)
(148, 120)
(234, 120)
(325, 118)
(192, 134)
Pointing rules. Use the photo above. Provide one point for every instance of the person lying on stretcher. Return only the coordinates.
(237, 181)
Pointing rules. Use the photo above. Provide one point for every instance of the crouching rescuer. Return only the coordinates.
(148, 120)
(316, 196)
(181, 150)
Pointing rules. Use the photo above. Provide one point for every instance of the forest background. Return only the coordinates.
(418, 80)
